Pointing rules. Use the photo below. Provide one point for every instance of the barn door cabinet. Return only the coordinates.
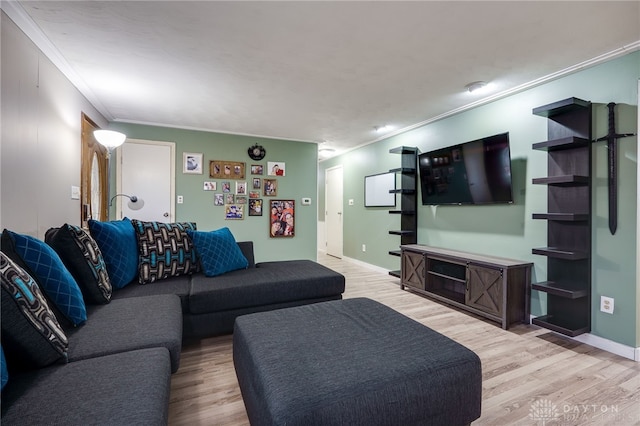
(492, 287)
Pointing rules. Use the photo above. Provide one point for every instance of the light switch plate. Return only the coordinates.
(75, 192)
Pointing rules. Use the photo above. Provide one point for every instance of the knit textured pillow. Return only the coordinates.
(117, 242)
(218, 251)
(49, 272)
(83, 258)
(31, 334)
(164, 250)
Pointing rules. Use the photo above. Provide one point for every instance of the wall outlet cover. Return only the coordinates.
(606, 304)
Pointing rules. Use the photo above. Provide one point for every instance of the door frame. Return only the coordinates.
(327, 192)
(172, 171)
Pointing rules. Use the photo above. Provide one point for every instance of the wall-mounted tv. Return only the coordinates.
(475, 172)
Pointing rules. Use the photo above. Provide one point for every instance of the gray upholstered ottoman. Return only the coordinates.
(352, 362)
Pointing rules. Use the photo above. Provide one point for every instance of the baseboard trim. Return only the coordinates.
(366, 265)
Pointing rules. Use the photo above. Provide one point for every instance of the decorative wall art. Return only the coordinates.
(241, 200)
(234, 211)
(241, 188)
(226, 169)
(281, 218)
(275, 168)
(254, 194)
(229, 198)
(210, 186)
(257, 169)
(270, 188)
(257, 183)
(218, 200)
(255, 207)
(192, 163)
(226, 186)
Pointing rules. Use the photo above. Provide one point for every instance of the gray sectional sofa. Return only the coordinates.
(118, 363)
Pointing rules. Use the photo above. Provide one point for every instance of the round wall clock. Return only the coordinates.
(256, 152)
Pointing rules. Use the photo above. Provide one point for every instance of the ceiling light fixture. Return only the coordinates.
(110, 139)
(381, 129)
(476, 86)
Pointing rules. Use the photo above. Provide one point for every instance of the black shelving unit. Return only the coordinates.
(568, 181)
(407, 191)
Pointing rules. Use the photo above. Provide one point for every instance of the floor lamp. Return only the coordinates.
(110, 139)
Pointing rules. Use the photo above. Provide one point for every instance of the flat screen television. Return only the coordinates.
(474, 172)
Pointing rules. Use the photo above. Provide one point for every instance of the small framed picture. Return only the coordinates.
(270, 188)
(254, 194)
(226, 169)
(257, 183)
(257, 169)
(275, 168)
(234, 211)
(255, 207)
(282, 218)
(192, 163)
(241, 188)
(210, 186)
(226, 186)
(229, 198)
(218, 200)
(241, 200)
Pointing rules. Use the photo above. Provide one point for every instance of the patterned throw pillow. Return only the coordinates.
(31, 334)
(82, 256)
(117, 242)
(165, 250)
(218, 251)
(5, 370)
(45, 266)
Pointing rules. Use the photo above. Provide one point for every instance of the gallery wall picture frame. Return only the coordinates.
(218, 200)
(281, 218)
(241, 200)
(226, 169)
(192, 163)
(255, 207)
(276, 168)
(210, 186)
(226, 186)
(234, 211)
(257, 183)
(257, 169)
(254, 194)
(270, 187)
(241, 188)
(229, 198)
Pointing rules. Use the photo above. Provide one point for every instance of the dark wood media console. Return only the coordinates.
(492, 287)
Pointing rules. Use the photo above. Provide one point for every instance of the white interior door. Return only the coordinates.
(146, 170)
(333, 211)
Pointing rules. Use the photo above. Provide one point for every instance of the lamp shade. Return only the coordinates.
(110, 139)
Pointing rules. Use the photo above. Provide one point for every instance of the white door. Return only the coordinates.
(333, 211)
(146, 169)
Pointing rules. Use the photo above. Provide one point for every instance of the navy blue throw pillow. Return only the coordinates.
(117, 242)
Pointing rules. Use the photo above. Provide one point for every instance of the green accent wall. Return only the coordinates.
(508, 230)
(300, 181)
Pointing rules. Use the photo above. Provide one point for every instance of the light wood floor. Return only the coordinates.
(530, 375)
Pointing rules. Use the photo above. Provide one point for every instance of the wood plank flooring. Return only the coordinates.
(530, 375)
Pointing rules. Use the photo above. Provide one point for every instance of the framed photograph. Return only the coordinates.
(226, 186)
(241, 200)
(210, 186)
(218, 200)
(255, 207)
(270, 188)
(257, 183)
(254, 194)
(192, 163)
(377, 190)
(241, 188)
(226, 169)
(281, 218)
(229, 198)
(234, 211)
(275, 168)
(257, 169)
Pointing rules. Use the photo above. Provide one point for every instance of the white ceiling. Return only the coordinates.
(317, 71)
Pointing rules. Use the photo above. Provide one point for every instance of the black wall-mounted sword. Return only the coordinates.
(612, 166)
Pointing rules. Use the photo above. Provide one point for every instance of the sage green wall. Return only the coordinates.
(300, 181)
(508, 230)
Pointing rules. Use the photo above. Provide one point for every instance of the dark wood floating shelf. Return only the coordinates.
(560, 144)
(402, 191)
(395, 252)
(403, 150)
(566, 326)
(569, 217)
(407, 170)
(560, 253)
(401, 232)
(405, 212)
(565, 180)
(395, 274)
(567, 289)
(561, 107)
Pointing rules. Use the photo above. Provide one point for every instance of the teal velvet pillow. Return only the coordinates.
(5, 371)
(49, 272)
(218, 251)
(119, 247)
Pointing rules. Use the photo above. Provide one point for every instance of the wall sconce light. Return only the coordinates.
(110, 139)
(134, 202)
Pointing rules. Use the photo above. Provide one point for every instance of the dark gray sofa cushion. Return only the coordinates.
(175, 285)
(268, 283)
(130, 324)
(352, 362)
(130, 388)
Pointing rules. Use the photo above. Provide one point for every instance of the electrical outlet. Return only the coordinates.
(364, 247)
(606, 304)
(180, 199)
